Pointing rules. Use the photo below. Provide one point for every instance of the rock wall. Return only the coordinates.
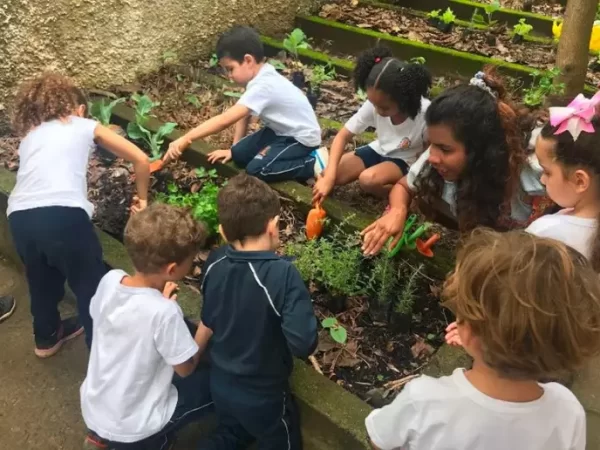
(106, 42)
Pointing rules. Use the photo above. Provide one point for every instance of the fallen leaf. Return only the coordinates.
(421, 349)
(364, 25)
(195, 188)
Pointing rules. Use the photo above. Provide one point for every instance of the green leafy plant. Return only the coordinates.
(489, 11)
(277, 64)
(522, 28)
(232, 94)
(543, 84)
(203, 204)
(143, 107)
(320, 74)
(213, 61)
(295, 41)
(102, 111)
(406, 299)
(448, 16)
(361, 95)
(337, 332)
(434, 14)
(203, 173)
(153, 141)
(193, 100)
(417, 60)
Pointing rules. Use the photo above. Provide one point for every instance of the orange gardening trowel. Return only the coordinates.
(156, 165)
(424, 247)
(314, 221)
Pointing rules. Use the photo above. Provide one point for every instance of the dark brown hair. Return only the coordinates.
(160, 235)
(488, 126)
(533, 303)
(48, 97)
(584, 153)
(246, 205)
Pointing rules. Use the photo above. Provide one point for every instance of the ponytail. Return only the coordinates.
(366, 63)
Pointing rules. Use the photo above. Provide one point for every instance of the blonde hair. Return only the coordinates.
(48, 97)
(533, 303)
(160, 235)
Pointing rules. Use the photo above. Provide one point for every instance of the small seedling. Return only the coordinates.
(101, 111)
(193, 100)
(434, 14)
(295, 41)
(213, 61)
(380, 377)
(320, 74)
(361, 95)
(153, 141)
(277, 64)
(520, 30)
(203, 173)
(232, 94)
(542, 85)
(417, 60)
(448, 17)
(337, 332)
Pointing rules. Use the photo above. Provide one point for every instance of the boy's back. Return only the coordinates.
(258, 308)
(449, 413)
(127, 395)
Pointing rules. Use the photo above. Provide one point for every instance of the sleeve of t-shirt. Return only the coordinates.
(298, 320)
(393, 426)
(363, 119)
(173, 339)
(87, 128)
(256, 98)
(416, 169)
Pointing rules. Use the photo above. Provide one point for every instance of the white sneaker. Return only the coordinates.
(321, 159)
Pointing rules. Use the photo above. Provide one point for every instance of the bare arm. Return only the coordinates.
(325, 183)
(241, 128)
(202, 337)
(122, 148)
(218, 123)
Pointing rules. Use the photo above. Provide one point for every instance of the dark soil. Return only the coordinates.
(546, 8)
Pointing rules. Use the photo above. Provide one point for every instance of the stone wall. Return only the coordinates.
(106, 42)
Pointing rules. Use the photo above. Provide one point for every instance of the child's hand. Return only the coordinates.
(452, 337)
(219, 155)
(169, 290)
(322, 188)
(138, 205)
(176, 148)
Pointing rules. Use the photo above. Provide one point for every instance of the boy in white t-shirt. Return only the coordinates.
(287, 147)
(143, 381)
(527, 308)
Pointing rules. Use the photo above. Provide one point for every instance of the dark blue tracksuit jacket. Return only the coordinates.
(261, 314)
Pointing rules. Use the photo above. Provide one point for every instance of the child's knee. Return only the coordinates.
(369, 179)
(255, 168)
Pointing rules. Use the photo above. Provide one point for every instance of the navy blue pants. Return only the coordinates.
(274, 158)
(193, 402)
(247, 414)
(58, 244)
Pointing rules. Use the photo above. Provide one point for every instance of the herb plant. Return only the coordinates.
(337, 332)
(434, 14)
(406, 300)
(448, 16)
(320, 74)
(203, 204)
(101, 111)
(543, 85)
(295, 41)
(522, 28)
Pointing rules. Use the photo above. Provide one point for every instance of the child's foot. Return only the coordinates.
(7, 307)
(69, 328)
(321, 159)
(94, 442)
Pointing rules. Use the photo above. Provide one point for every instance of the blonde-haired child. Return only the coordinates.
(526, 308)
(48, 210)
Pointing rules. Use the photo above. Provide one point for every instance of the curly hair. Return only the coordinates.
(488, 127)
(405, 83)
(533, 303)
(575, 154)
(48, 97)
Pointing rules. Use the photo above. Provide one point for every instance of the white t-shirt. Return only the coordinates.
(449, 413)
(282, 107)
(53, 160)
(576, 232)
(139, 336)
(530, 185)
(402, 141)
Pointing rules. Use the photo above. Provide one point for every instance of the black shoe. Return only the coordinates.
(7, 306)
(69, 328)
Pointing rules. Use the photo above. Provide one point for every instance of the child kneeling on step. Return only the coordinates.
(260, 314)
(527, 308)
(143, 381)
(287, 147)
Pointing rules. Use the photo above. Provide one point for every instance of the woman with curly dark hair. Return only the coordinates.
(396, 107)
(476, 170)
(48, 210)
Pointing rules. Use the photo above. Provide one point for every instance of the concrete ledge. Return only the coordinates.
(332, 418)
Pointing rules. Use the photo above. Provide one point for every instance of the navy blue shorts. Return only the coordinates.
(371, 158)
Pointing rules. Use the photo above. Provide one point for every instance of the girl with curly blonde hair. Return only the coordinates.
(48, 210)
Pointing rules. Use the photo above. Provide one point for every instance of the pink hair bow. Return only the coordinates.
(576, 116)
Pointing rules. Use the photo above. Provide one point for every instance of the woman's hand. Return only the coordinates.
(376, 235)
(169, 289)
(452, 337)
